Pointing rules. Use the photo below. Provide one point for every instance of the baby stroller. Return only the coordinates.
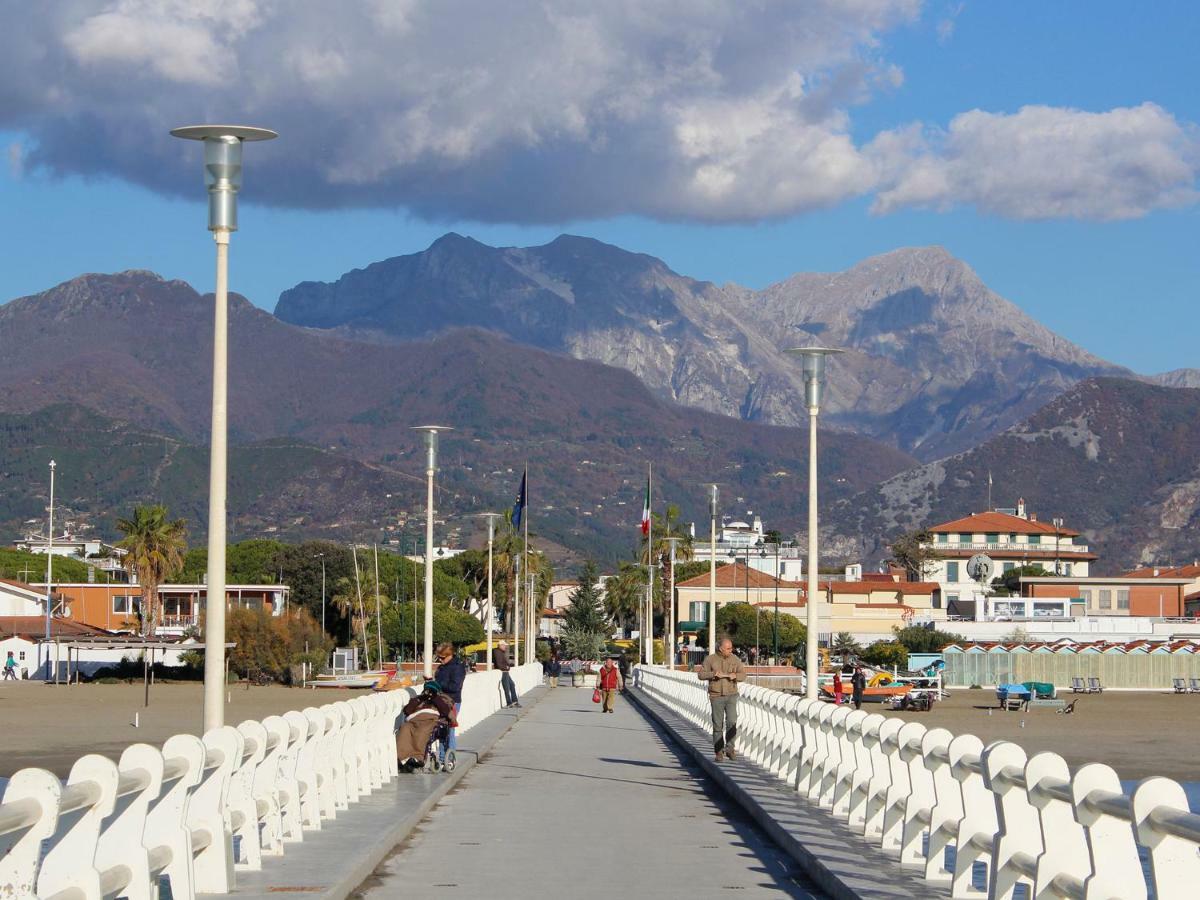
(438, 758)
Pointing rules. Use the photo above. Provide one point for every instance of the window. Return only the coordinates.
(1105, 598)
(952, 571)
(937, 600)
(1008, 567)
(992, 538)
(1122, 598)
(699, 611)
(124, 604)
(1034, 539)
(1088, 596)
(943, 538)
(1066, 568)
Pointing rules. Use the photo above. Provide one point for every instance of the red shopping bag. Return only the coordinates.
(596, 695)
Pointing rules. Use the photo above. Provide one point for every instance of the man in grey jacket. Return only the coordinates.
(722, 670)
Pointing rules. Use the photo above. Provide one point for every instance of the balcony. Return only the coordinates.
(1012, 547)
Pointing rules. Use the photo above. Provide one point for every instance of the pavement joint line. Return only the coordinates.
(832, 865)
(364, 857)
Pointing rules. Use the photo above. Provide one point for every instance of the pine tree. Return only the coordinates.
(586, 612)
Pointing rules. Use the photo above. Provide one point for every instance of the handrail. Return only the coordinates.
(1031, 819)
(261, 783)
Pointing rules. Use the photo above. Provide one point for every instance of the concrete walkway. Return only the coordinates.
(578, 804)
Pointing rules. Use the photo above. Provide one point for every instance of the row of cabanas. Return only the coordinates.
(1066, 645)
(1135, 665)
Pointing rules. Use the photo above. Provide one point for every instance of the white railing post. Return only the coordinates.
(1019, 840)
(1116, 867)
(253, 842)
(821, 789)
(1174, 863)
(979, 825)
(37, 792)
(208, 815)
(1064, 858)
(123, 840)
(918, 806)
(947, 813)
(70, 861)
(864, 769)
(843, 775)
(277, 782)
(166, 822)
(307, 738)
(881, 775)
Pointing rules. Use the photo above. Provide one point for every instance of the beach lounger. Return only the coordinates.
(1180, 685)
(1094, 686)
(1194, 685)
(1077, 686)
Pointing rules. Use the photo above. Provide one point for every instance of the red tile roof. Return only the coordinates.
(1191, 571)
(996, 523)
(34, 627)
(737, 576)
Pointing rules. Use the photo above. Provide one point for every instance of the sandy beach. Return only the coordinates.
(50, 726)
(1138, 733)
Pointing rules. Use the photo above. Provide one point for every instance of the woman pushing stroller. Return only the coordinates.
(423, 715)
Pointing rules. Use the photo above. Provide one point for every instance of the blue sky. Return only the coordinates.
(1118, 279)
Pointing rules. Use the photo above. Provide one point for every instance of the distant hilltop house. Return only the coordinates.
(1011, 538)
(92, 552)
(746, 542)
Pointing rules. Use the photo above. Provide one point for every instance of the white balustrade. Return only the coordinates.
(179, 812)
(916, 792)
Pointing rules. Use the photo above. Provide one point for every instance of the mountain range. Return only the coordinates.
(935, 363)
(587, 362)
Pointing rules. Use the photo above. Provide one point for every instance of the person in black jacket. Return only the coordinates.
(451, 673)
(858, 684)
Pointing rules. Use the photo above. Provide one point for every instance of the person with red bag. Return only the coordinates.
(610, 682)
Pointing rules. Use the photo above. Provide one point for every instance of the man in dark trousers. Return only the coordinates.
(858, 684)
(722, 670)
(500, 661)
(451, 673)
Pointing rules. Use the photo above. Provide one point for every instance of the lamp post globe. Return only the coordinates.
(431, 449)
(813, 362)
(223, 178)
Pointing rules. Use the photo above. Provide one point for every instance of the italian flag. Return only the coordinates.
(646, 512)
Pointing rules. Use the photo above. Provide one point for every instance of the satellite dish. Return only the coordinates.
(980, 567)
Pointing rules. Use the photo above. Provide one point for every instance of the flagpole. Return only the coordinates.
(378, 620)
(649, 639)
(529, 610)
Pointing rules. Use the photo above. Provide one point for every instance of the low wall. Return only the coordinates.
(915, 792)
(179, 811)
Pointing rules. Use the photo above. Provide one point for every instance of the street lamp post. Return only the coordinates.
(431, 448)
(223, 177)
(487, 619)
(321, 556)
(50, 568)
(813, 359)
(1058, 523)
(712, 571)
(670, 648)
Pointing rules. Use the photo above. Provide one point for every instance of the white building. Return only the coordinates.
(1011, 539)
(746, 542)
(93, 552)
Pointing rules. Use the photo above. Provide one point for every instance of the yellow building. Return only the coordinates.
(868, 609)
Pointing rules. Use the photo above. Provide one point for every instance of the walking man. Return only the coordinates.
(858, 684)
(611, 681)
(500, 661)
(451, 673)
(722, 670)
(10, 668)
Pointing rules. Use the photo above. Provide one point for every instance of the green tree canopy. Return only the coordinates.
(886, 654)
(449, 624)
(914, 553)
(586, 613)
(739, 621)
(1010, 582)
(925, 640)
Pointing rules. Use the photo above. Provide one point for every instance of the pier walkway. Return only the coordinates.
(574, 803)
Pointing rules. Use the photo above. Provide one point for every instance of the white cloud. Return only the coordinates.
(527, 111)
(1042, 163)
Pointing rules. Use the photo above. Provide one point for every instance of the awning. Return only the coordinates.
(693, 627)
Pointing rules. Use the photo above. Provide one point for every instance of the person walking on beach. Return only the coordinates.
(858, 684)
(722, 670)
(500, 661)
(451, 673)
(610, 682)
(837, 689)
(10, 668)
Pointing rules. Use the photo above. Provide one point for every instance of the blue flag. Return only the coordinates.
(518, 510)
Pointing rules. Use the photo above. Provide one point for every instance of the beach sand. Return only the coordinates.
(50, 726)
(1138, 733)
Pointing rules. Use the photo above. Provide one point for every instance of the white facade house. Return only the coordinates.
(93, 552)
(1011, 539)
(745, 542)
(17, 599)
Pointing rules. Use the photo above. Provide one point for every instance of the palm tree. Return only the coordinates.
(155, 548)
(624, 594)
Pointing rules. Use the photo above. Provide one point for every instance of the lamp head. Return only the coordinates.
(813, 361)
(431, 443)
(223, 166)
